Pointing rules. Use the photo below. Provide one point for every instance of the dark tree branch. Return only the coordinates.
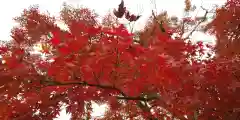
(124, 96)
(138, 99)
(194, 29)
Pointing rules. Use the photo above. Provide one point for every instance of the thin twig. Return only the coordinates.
(194, 29)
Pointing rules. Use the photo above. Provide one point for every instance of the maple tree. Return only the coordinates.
(162, 79)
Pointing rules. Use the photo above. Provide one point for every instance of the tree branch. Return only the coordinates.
(138, 98)
(124, 96)
(194, 29)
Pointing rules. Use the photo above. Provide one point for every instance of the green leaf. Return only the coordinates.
(50, 35)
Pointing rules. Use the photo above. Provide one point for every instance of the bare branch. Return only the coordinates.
(194, 29)
(124, 96)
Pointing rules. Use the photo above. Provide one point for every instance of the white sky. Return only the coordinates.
(12, 8)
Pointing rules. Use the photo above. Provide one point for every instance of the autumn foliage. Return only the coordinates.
(227, 29)
(163, 79)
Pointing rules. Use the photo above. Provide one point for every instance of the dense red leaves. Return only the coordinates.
(18, 35)
(90, 63)
(55, 41)
(3, 50)
(227, 30)
(87, 73)
(114, 104)
(76, 45)
(64, 50)
(33, 26)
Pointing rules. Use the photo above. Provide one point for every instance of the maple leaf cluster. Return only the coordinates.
(122, 10)
(227, 30)
(87, 63)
